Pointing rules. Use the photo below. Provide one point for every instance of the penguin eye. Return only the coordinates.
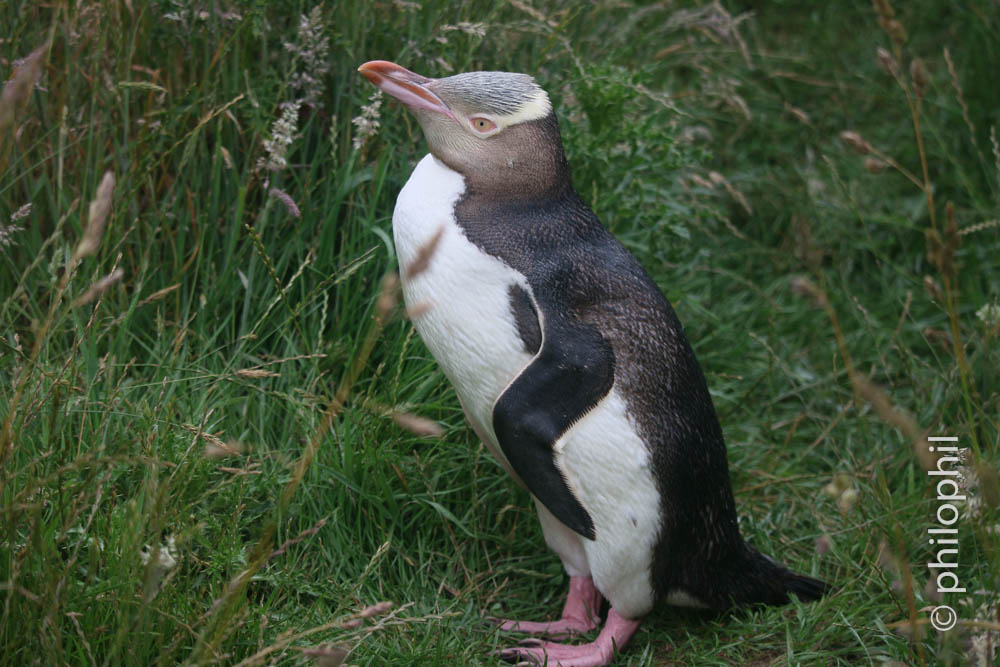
(482, 125)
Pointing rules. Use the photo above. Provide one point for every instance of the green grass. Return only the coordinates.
(710, 147)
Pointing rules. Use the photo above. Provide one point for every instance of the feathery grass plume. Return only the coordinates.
(7, 231)
(312, 49)
(100, 287)
(367, 122)
(22, 212)
(989, 314)
(97, 218)
(287, 200)
(7, 235)
(17, 90)
(282, 135)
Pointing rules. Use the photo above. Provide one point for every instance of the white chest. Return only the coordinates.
(467, 322)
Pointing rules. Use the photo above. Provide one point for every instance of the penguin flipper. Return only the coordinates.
(572, 371)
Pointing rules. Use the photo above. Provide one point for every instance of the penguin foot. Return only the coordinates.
(615, 634)
(580, 613)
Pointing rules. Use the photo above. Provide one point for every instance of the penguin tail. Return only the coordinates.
(805, 588)
(775, 583)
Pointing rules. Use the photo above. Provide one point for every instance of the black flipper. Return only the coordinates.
(572, 372)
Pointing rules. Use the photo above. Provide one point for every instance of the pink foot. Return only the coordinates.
(615, 634)
(579, 614)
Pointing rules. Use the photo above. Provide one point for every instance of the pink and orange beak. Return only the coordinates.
(406, 86)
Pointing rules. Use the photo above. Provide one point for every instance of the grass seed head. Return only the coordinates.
(874, 165)
(17, 90)
(100, 287)
(368, 121)
(287, 200)
(376, 609)
(97, 218)
(388, 296)
(804, 287)
(918, 76)
(856, 141)
(887, 62)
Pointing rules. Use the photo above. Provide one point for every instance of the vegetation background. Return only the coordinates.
(222, 441)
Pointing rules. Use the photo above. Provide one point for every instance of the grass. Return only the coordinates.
(203, 459)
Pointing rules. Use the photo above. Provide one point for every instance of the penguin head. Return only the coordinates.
(495, 128)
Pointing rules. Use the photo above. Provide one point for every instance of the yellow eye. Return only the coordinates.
(483, 124)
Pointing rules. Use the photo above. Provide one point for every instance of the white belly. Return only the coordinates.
(468, 324)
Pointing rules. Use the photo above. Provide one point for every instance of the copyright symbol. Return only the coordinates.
(943, 618)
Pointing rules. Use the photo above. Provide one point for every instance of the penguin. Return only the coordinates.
(570, 365)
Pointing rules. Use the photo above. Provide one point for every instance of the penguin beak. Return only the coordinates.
(408, 87)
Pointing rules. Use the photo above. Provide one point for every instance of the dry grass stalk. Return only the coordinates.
(417, 311)
(979, 226)
(862, 386)
(996, 151)
(798, 114)
(419, 426)
(388, 296)
(376, 609)
(298, 538)
(327, 655)
(888, 413)
(216, 449)
(960, 96)
(424, 255)
(204, 435)
(99, 288)
(886, 19)
(718, 179)
(254, 373)
(97, 218)
(18, 89)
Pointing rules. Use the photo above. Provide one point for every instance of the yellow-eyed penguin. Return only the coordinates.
(570, 365)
